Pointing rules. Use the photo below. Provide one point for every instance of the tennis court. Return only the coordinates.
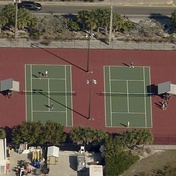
(49, 93)
(127, 97)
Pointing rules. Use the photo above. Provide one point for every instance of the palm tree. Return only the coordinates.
(77, 135)
(146, 137)
(25, 18)
(106, 20)
(9, 12)
(2, 133)
(82, 17)
(173, 19)
(91, 21)
(53, 133)
(99, 15)
(100, 136)
(3, 20)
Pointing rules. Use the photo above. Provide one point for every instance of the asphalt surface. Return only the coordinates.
(114, 2)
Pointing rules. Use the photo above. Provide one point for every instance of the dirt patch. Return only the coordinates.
(155, 161)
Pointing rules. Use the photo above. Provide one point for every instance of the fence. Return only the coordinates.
(93, 44)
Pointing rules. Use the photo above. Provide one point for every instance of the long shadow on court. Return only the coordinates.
(33, 44)
(64, 105)
(123, 125)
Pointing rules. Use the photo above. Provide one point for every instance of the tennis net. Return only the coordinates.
(40, 91)
(126, 94)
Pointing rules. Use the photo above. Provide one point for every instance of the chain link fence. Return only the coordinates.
(92, 44)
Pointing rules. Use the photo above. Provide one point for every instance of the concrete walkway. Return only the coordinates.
(162, 147)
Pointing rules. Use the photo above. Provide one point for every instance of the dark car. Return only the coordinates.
(30, 5)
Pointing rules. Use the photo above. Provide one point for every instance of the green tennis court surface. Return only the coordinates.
(49, 96)
(127, 97)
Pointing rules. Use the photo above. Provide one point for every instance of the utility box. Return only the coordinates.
(95, 170)
(81, 160)
(3, 156)
(52, 155)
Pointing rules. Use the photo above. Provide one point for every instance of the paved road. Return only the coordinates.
(115, 2)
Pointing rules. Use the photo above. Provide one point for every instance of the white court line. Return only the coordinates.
(31, 94)
(128, 102)
(66, 104)
(47, 65)
(123, 66)
(50, 78)
(25, 94)
(71, 96)
(104, 69)
(145, 97)
(49, 96)
(128, 80)
(50, 111)
(150, 99)
(49, 92)
(128, 113)
(110, 99)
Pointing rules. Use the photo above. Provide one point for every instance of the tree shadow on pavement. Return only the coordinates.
(83, 173)
(73, 162)
(58, 57)
(163, 20)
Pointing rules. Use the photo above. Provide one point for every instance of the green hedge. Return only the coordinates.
(118, 163)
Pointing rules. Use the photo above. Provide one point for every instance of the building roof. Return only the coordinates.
(53, 151)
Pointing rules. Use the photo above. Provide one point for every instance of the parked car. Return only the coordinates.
(30, 5)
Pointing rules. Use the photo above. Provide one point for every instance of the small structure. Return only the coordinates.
(95, 170)
(3, 156)
(52, 155)
(166, 87)
(23, 148)
(102, 150)
(9, 84)
(81, 161)
(7, 87)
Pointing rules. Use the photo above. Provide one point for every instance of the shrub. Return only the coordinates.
(118, 163)
(45, 42)
(2, 133)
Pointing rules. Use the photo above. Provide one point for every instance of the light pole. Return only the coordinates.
(90, 82)
(16, 19)
(88, 53)
(110, 27)
(89, 36)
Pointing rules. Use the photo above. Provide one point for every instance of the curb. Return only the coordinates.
(118, 3)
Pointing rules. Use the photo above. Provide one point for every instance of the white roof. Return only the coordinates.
(9, 84)
(2, 150)
(53, 151)
(166, 87)
(2, 162)
(96, 170)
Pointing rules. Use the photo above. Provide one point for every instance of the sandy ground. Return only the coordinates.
(156, 161)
